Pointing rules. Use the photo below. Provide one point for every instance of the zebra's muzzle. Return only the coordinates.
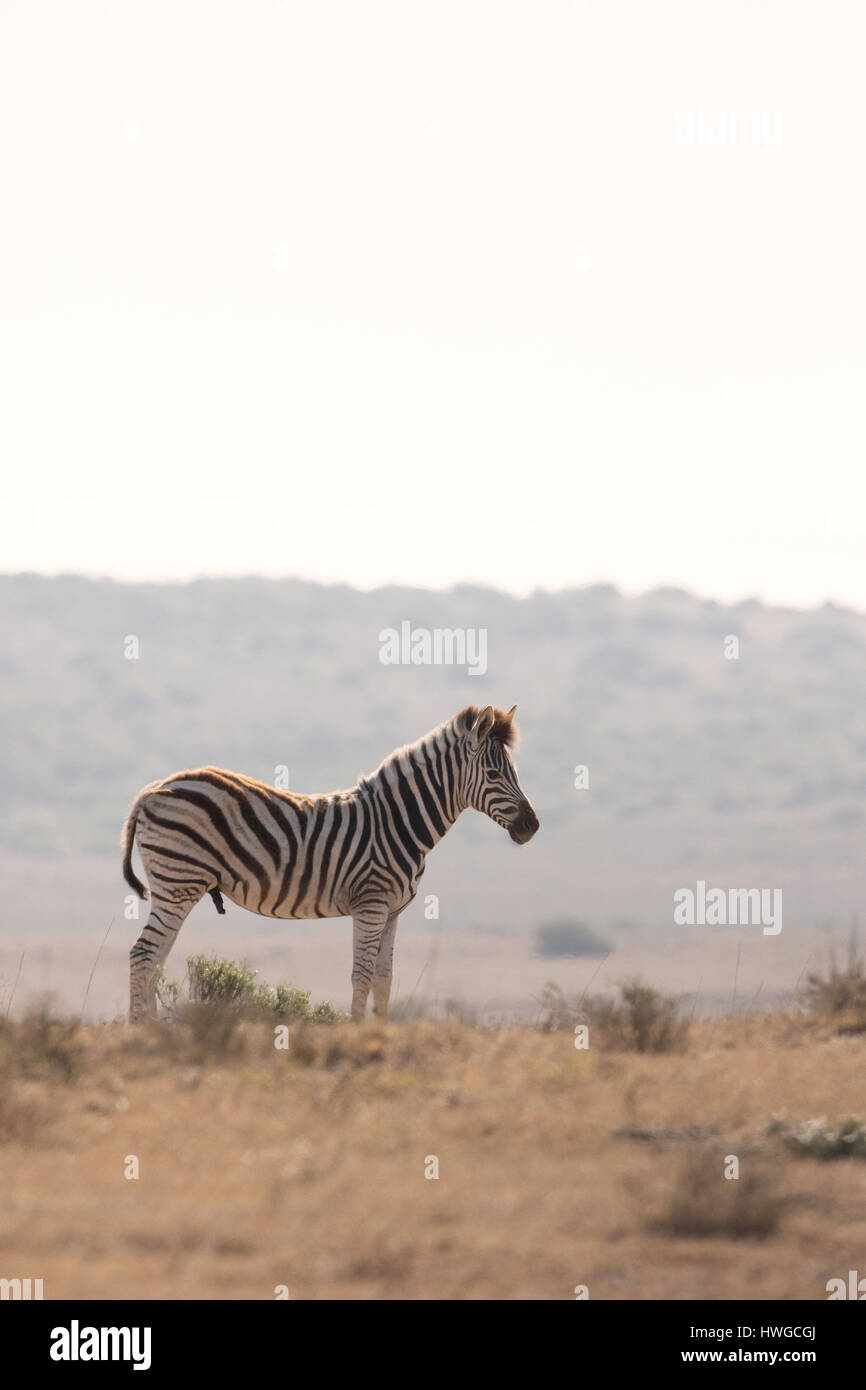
(524, 825)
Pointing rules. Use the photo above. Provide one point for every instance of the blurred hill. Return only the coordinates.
(747, 772)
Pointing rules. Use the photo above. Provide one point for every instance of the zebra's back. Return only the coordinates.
(270, 850)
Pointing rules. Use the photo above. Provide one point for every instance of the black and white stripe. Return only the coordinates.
(357, 853)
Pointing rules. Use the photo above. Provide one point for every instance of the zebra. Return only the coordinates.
(358, 853)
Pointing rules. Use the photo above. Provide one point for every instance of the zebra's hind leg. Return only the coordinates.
(384, 966)
(167, 916)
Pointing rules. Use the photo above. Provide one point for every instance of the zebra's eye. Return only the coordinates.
(493, 774)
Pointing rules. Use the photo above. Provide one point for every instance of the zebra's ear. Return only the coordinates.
(481, 728)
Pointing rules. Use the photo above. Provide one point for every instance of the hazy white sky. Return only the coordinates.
(532, 294)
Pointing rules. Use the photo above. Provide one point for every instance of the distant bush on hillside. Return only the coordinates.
(568, 937)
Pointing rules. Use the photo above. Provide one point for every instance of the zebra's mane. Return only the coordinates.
(503, 729)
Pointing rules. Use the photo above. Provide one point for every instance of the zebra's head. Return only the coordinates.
(490, 778)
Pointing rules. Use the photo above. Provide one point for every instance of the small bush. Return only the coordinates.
(557, 1014)
(567, 937)
(167, 991)
(706, 1203)
(224, 985)
(21, 1120)
(818, 1139)
(644, 1020)
(839, 994)
(44, 1044)
(285, 1002)
(641, 1020)
(216, 981)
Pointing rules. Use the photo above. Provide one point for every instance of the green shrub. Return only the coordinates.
(167, 991)
(286, 1002)
(216, 981)
(217, 984)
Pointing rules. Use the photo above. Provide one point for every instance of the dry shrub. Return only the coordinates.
(44, 1044)
(22, 1116)
(642, 1019)
(706, 1203)
(387, 1265)
(211, 1030)
(839, 993)
(42, 1047)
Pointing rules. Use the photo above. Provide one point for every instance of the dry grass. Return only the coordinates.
(557, 1167)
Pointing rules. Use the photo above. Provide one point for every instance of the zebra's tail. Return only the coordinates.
(127, 840)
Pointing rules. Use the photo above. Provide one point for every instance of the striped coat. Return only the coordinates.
(357, 853)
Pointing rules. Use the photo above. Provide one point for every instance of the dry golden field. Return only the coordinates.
(305, 1167)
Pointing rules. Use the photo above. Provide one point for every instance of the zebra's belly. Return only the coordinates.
(313, 904)
(306, 912)
(302, 903)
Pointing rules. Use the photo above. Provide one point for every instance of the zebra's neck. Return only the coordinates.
(421, 786)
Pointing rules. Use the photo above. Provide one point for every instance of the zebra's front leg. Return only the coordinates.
(367, 931)
(384, 963)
